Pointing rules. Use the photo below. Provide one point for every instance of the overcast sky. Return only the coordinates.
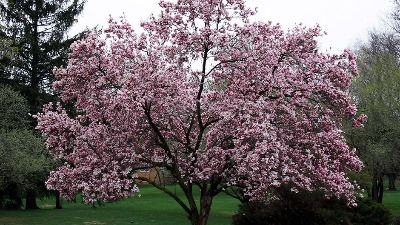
(345, 21)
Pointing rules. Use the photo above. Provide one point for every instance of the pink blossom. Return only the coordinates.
(359, 122)
(219, 105)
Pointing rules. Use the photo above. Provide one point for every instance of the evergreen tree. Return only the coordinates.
(38, 29)
(6, 51)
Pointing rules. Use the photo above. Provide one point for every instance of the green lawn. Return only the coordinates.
(152, 208)
(391, 199)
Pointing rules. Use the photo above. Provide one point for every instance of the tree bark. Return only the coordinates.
(392, 181)
(31, 199)
(380, 185)
(377, 187)
(58, 200)
(201, 218)
(194, 216)
(206, 202)
(374, 191)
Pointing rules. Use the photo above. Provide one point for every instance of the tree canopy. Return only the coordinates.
(218, 101)
(25, 163)
(376, 92)
(37, 29)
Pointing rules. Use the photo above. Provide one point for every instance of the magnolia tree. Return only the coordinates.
(218, 101)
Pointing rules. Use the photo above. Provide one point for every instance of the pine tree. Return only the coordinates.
(38, 29)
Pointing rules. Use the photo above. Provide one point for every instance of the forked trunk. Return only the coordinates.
(202, 218)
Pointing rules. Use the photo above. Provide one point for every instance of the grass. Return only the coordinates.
(391, 199)
(152, 208)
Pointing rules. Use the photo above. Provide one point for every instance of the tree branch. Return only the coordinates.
(164, 143)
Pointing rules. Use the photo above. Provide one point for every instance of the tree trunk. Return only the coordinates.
(380, 187)
(377, 187)
(13, 197)
(31, 199)
(392, 181)
(201, 218)
(206, 202)
(35, 71)
(58, 200)
(374, 187)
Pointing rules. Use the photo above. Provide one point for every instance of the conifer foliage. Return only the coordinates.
(38, 30)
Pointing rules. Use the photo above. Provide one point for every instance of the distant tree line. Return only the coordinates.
(377, 93)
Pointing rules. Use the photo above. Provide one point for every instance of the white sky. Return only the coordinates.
(345, 21)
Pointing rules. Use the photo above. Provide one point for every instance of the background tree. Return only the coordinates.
(217, 104)
(25, 163)
(38, 30)
(376, 91)
(6, 49)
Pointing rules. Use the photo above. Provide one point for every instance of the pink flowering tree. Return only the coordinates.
(216, 100)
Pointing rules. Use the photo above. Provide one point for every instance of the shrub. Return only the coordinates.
(253, 213)
(369, 212)
(289, 208)
(310, 208)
